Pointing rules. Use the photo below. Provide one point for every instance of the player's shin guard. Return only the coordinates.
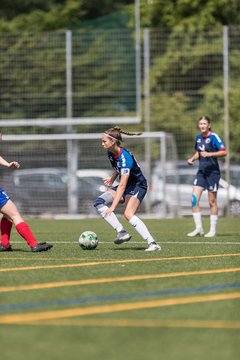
(24, 230)
(197, 217)
(6, 227)
(213, 222)
(101, 207)
(141, 228)
(111, 219)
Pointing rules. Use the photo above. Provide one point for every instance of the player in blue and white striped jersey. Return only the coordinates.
(208, 148)
(131, 190)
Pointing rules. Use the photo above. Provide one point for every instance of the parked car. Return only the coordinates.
(234, 175)
(175, 193)
(95, 176)
(45, 190)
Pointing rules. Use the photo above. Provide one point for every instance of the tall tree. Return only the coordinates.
(198, 13)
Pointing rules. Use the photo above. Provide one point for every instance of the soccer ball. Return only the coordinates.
(88, 240)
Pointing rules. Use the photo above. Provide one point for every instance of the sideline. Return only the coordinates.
(161, 242)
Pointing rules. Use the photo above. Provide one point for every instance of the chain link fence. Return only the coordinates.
(84, 81)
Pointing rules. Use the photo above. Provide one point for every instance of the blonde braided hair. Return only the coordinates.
(116, 133)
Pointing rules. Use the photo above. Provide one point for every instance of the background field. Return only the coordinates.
(119, 302)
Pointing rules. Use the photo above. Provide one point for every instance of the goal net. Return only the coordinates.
(62, 173)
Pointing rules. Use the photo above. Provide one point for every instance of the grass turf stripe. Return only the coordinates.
(53, 285)
(109, 262)
(104, 309)
(102, 298)
(146, 323)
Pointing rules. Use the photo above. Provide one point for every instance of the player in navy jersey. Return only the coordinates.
(208, 148)
(12, 216)
(131, 189)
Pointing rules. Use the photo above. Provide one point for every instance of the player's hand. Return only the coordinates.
(204, 154)
(107, 181)
(14, 164)
(190, 161)
(108, 212)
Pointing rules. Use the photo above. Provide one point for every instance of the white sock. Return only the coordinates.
(111, 219)
(197, 217)
(141, 229)
(213, 222)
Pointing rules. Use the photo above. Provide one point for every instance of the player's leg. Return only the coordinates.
(196, 212)
(101, 205)
(10, 211)
(213, 184)
(132, 205)
(6, 224)
(5, 227)
(212, 199)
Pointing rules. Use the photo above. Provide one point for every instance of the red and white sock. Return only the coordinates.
(6, 227)
(24, 230)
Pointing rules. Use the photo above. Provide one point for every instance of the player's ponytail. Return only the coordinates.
(116, 133)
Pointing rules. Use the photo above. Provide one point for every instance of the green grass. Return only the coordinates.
(162, 305)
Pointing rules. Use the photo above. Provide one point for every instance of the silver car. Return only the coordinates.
(173, 193)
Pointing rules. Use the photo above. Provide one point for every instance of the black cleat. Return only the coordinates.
(41, 247)
(5, 248)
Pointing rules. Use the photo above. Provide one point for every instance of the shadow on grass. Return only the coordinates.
(19, 250)
(130, 248)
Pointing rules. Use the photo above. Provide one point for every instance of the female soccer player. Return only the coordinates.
(209, 147)
(11, 216)
(131, 189)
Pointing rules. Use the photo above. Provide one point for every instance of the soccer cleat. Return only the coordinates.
(153, 246)
(196, 232)
(41, 247)
(122, 237)
(211, 233)
(5, 248)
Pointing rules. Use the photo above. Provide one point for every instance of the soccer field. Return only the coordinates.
(120, 302)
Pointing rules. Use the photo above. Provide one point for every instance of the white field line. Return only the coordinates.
(144, 243)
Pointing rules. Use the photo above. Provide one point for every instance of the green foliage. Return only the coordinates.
(189, 13)
(191, 42)
(37, 15)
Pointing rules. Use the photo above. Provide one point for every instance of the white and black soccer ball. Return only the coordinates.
(88, 240)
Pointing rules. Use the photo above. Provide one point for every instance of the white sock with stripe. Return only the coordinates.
(111, 219)
(141, 228)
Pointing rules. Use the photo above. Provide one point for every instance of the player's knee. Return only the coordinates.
(104, 199)
(212, 202)
(194, 201)
(98, 201)
(128, 214)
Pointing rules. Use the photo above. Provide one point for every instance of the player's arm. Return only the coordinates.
(195, 157)
(219, 153)
(119, 193)
(13, 164)
(110, 180)
(218, 148)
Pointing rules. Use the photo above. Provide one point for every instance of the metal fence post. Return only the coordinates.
(226, 105)
(72, 148)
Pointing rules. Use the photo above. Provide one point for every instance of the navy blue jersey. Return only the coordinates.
(210, 143)
(124, 163)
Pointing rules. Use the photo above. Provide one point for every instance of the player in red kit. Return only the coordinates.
(11, 216)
